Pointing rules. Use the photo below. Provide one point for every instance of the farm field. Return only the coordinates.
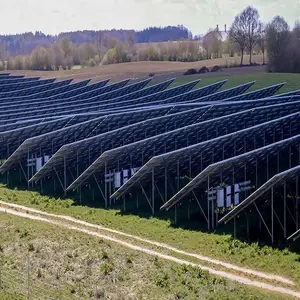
(137, 70)
(90, 267)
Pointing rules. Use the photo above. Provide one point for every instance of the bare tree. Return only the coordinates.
(262, 40)
(98, 41)
(237, 34)
(277, 38)
(245, 30)
(251, 15)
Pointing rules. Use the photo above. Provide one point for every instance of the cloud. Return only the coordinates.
(198, 15)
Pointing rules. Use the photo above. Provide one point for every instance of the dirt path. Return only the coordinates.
(154, 243)
(29, 215)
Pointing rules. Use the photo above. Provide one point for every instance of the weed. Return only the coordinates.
(24, 233)
(162, 280)
(129, 259)
(104, 255)
(68, 268)
(30, 247)
(106, 268)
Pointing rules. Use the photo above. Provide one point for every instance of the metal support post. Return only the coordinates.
(297, 203)
(268, 167)
(65, 176)
(178, 178)
(153, 192)
(208, 217)
(284, 208)
(272, 214)
(256, 177)
(28, 184)
(166, 184)
(105, 185)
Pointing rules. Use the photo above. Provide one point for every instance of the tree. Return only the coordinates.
(245, 30)
(251, 16)
(98, 41)
(57, 56)
(129, 39)
(66, 47)
(40, 59)
(262, 40)
(277, 38)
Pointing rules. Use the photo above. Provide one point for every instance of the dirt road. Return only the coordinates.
(28, 213)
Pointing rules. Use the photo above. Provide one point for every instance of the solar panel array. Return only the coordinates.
(185, 147)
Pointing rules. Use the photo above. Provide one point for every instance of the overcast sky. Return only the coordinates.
(55, 16)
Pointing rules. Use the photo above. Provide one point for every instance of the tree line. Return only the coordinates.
(246, 35)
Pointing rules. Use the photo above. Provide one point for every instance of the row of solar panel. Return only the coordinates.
(180, 128)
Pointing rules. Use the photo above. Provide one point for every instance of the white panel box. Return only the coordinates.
(220, 197)
(117, 180)
(236, 194)
(228, 196)
(125, 176)
(46, 158)
(39, 163)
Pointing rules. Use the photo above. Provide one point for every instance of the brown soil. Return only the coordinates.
(137, 70)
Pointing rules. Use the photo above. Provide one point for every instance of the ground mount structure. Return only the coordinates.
(203, 153)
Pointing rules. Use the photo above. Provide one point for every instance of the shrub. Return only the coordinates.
(106, 268)
(104, 255)
(129, 259)
(162, 281)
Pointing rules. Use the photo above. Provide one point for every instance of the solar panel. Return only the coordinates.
(25, 93)
(17, 80)
(24, 85)
(164, 142)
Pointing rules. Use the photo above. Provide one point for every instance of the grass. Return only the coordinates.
(6, 296)
(262, 80)
(87, 274)
(220, 246)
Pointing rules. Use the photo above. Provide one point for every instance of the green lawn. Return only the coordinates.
(88, 265)
(220, 246)
(262, 80)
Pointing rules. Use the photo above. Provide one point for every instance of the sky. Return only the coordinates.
(55, 16)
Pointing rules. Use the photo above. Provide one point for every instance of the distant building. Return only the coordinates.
(219, 34)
